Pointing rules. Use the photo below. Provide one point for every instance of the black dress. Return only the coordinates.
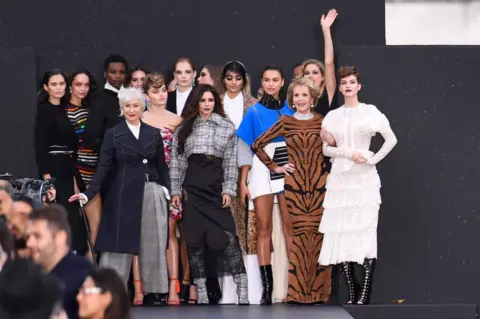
(323, 106)
(55, 152)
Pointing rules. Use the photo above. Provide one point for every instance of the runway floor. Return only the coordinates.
(242, 312)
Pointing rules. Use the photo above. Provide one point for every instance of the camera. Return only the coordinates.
(33, 188)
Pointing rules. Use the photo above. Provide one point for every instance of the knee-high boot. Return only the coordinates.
(349, 278)
(267, 282)
(368, 267)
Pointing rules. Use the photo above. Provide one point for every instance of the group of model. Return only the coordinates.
(200, 181)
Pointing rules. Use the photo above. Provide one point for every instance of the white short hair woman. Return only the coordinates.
(132, 164)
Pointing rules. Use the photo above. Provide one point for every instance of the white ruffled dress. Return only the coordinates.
(352, 200)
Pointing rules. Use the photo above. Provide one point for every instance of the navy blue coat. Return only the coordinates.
(127, 161)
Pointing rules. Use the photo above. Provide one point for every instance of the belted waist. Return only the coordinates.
(59, 150)
(148, 178)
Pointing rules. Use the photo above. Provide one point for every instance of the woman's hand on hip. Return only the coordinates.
(227, 200)
(286, 169)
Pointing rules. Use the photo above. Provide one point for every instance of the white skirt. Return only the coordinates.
(350, 216)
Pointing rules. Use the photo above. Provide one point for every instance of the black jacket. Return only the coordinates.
(54, 132)
(127, 160)
(104, 114)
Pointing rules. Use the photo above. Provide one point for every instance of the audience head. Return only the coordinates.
(103, 295)
(7, 243)
(22, 207)
(48, 235)
(115, 70)
(27, 292)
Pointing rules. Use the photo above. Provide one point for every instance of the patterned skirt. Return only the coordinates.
(154, 239)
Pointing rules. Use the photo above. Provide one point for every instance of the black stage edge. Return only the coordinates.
(278, 311)
(445, 311)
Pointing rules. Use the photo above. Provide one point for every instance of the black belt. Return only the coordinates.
(149, 179)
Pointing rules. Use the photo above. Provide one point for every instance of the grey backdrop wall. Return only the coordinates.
(430, 219)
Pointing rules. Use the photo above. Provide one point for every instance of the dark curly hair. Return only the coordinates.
(92, 91)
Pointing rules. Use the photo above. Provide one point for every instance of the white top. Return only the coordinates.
(181, 99)
(134, 129)
(234, 108)
(353, 129)
(110, 87)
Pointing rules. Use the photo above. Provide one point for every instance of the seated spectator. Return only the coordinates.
(103, 296)
(27, 293)
(48, 240)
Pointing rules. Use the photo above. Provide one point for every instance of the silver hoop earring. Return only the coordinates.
(193, 83)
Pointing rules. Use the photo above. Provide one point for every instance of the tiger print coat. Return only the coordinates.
(308, 282)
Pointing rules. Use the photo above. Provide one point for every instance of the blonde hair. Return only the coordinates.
(305, 82)
(155, 79)
(129, 94)
(321, 67)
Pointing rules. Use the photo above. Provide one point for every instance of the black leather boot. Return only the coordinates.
(267, 282)
(213, 289)
(349, 278)
(368, 266)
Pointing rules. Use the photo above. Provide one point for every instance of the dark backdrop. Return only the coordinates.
(430, 216)
(17, 92)
(66, 34)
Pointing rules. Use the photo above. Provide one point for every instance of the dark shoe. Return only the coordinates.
(184, 293)
(349, 278)
(213, 289)
(267, 283)
(368, 266)
(155, 300)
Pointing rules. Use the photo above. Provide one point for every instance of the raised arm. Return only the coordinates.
(230, 167)
(330, 81)
(178, 167)
(107, 154)
(383, 127)
(263, 140)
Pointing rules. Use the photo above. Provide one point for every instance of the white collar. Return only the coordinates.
(238, 97)
(133, 127)
(186, 93)
(110, 87)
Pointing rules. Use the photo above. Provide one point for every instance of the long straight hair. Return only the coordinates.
(191, 112)
(42, 95)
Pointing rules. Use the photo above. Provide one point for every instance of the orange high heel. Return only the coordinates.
(177, 290)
